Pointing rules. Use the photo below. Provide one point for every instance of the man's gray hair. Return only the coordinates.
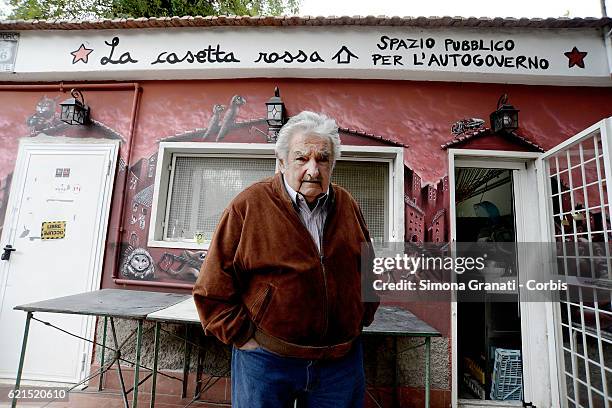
(307, 122)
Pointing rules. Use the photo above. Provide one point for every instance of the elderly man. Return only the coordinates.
(282, 282)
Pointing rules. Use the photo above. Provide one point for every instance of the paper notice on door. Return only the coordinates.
(53, 230)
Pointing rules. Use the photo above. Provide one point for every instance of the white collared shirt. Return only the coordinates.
(313, 220)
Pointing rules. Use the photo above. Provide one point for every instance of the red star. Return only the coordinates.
(82, 54)
(575, 57)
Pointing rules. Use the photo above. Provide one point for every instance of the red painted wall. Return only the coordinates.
(417, 114)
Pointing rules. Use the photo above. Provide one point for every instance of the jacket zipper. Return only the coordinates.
(326, 305)
(323, 272)
(321, 261)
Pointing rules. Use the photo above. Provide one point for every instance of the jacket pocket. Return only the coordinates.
(261, 303)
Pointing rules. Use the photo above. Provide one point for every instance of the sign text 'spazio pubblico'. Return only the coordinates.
(351, 52)
(456, 53)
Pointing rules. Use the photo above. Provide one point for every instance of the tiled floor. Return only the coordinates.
(94, 399)
(169, 391)
(167, 394)
(102, 400)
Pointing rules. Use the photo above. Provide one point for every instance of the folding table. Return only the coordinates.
(388, 321)
(110, 304)
(181, 313)
(397, 322)
(180, 309)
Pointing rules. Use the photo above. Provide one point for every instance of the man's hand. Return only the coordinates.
(252, 344)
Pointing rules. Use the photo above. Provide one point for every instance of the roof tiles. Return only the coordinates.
(265, 21)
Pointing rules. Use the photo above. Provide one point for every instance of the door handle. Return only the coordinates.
(6, 255)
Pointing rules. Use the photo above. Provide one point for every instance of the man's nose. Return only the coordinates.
(312, 168)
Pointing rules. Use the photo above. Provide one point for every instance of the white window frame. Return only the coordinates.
(394, 156)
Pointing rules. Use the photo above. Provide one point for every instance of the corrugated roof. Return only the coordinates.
(271, 21)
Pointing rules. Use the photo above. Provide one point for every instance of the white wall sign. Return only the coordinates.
(559, 56)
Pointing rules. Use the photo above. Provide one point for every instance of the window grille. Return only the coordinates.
(580, 213)
(202, 187)
(368, 183)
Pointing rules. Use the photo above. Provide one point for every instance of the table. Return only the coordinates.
(388, 321)
(185, 313)
(163, 308)
(397, 322)
(110, 304)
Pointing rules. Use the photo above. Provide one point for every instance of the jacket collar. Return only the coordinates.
(278, 184)
(295, 196)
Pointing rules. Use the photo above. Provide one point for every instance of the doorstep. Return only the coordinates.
(468, 403)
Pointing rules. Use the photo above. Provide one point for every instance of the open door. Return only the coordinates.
(494, 198)
(575, 201)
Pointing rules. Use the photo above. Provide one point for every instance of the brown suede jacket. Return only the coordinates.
(263, 273)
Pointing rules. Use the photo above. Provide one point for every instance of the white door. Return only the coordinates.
(56, 220)
(533, 329)
(577, 218)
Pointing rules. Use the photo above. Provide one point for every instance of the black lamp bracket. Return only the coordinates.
(76, 94)
(502, 101)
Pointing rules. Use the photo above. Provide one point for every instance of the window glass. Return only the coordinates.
(202, 187)
(368, 183)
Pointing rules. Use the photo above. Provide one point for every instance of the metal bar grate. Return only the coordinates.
(368, 184)
(577, 191)
(202, 187)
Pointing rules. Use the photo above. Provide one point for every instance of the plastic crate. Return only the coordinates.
(507, 375)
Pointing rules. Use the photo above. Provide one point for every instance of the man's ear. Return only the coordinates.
(281, 165)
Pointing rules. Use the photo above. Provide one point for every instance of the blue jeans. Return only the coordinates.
(261, 379)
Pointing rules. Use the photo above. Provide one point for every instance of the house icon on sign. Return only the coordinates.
(344, 55)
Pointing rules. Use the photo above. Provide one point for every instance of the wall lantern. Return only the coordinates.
(74, 111)
(276, 116)
(505, 117)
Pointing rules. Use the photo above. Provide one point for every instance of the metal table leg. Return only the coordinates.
(427, 369)
(155, 355)
(22, 358)
(116, 357)
(199, 369)
(396, 400)
(186, 362)
(137, 362)
(100, 384)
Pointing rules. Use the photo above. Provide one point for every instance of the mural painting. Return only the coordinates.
(40, 116)
(425, 220)
(424, 119)
(419, 117)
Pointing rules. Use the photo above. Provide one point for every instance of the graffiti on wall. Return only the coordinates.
(227, 119)
(139, 265)
(424, 203)
(173, 264)
(43, 119)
